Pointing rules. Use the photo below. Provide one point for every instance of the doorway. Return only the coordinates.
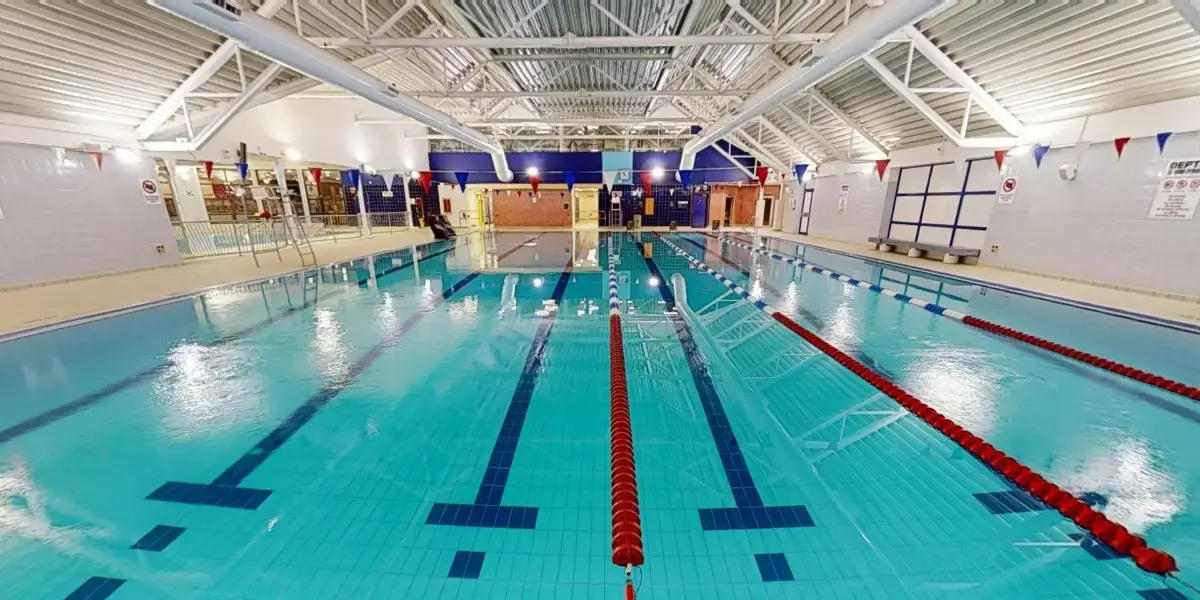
(587, 208)
(728, 212)
(805, 211)
(768, 201)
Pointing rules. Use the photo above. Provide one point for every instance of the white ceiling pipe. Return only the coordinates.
(285, 47)
(576, 42)
(851, 43)
(162, 113)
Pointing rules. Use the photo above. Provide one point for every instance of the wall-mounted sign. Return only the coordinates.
(386, 193)
(843, 196)
(616, 197)
(1007, 192)
(1178, 191)
(150, 191)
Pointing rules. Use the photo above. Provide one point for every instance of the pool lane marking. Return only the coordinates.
(487, 511)
(750, 511)
(92, 398)
(225, 490)
(1170, 385)
(627, 550)
(96, 588)
(1075, 509)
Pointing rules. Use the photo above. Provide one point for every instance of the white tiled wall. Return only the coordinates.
(67, 219)
(864, 208)
(1095, 227)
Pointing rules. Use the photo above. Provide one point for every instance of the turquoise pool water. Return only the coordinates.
(433, 423)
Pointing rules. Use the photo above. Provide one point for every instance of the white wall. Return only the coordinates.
(324, 130)
(1096, 227)
(67, 219)
(793, 192)
(458, 200)
(864, 208)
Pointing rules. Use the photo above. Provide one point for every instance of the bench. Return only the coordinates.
(948, 254)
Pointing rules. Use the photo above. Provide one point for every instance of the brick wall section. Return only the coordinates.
(514, 208)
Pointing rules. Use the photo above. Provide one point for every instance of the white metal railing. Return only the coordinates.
(388, 222)
(221, 236)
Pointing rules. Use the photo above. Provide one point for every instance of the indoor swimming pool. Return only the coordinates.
(433, 422)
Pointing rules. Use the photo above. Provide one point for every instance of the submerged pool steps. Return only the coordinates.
(1101, 527)
(1175, 387)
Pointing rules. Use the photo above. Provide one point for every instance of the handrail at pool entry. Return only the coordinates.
(1104, 529)
(1175, 387)
(626, 513)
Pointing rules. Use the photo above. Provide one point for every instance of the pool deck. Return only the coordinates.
(45, 305)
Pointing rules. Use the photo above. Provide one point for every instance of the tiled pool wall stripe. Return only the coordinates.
(1147, 378)
(84, 402)
(225, 491)
(626, 512)
(1111, 533)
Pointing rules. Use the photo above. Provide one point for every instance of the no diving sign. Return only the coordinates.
(1007, 191)
(150, 191)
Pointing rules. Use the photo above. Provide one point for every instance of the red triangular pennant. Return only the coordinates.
(761, 174)
(534, 180)
(208, 166)
(98, 158)
(881, 166)
(1119, 143)
(1000, 155)
(316, 175)
(426, 177)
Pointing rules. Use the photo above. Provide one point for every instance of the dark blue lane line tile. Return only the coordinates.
(1009, 502)
(487, 511)
(466, 565)
(158, 539)
(1163, 594)
(96, 588)
(774, 567)
(1097, 549)
(478, 515)
(59, 412)
(750, 512)
(225, 491)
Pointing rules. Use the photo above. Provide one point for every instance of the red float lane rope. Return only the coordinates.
(1170, 385)
(1158, 381)
(626, 512)
(1100, 526)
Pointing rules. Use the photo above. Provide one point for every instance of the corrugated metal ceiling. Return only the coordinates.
(111, 63)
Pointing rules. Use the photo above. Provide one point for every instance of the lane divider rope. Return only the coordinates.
(1104, 529)
(626, 512)
(1175, 387)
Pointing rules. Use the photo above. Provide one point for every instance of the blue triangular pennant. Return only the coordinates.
(1039, 152)
(1162, 140)
(462, 180)
(800, 170)
(569, 177)
(243, 171)
(354, 174)
(685, 177)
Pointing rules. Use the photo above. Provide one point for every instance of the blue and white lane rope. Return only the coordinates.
(614, 303)
(725, 281)
(929, 306)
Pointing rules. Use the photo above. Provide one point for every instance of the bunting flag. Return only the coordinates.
(761, 175)
(462, 180)
(1000, 155)
(1119, 144)
(1162, 140)
(534, 180)
(314, 171)
(800, 170)
(647, 182)
(354, 175)
(610, 179)
(569, 178)
(881, 166)
(1039, 152)
(426, 177)
(98, 158)
(244, 172)
(685, 177)
(208, 167)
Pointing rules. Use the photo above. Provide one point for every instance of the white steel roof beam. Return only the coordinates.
(980, 96)
(229, 111)
(820, 98)
(199, 77)
(577, 42)
(854, 41)
(837, 153)
(787, 139)
(1190, 10)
